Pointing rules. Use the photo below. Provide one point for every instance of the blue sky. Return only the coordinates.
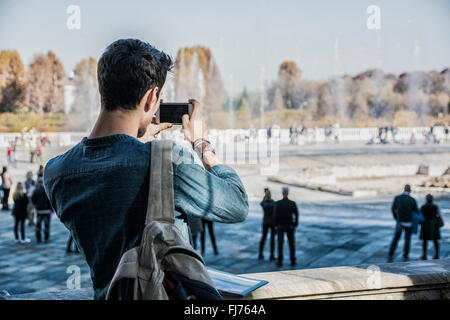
(249, 39)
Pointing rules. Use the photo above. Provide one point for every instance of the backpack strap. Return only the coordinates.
(160, 199)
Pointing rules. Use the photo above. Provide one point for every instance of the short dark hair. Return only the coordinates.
(127, 70)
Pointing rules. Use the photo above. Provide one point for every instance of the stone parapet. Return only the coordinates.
(396, 281)
(407, 280)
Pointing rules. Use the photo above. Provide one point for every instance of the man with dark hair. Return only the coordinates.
(286, 220)
(402, 208)
(99, 188)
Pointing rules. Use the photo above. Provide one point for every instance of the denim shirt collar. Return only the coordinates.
(105, 139)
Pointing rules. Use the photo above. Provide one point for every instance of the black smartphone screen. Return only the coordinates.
(173, 112)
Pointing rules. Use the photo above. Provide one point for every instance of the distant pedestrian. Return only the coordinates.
(40, 172)
(286, 220)
(39, 150)
(10, 155)
(14, 153)
(446, 131)
(196, 227)
(30, 185)
(430, 226)
(268, 206)
(20, 213)
(209, 224)
(32, 149)
(6, 187)
(403, 208)
(394, 131)
(292, 134)
(43, 208)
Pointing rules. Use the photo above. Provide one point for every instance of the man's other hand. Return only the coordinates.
(153, 130)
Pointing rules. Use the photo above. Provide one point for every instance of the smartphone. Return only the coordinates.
(172, 112)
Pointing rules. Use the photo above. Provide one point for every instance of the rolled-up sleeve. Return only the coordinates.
(218, 195)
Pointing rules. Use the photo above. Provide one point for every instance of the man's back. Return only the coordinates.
(403, 207)
(99, 190)
(284, 211)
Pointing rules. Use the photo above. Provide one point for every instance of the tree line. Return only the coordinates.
(369, 98)
(39, 88)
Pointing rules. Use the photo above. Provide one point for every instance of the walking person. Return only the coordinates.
(43, 208)
(430, 226)
(403, 208)
(209, 224)
(20, 213)
(6, 186)
(268, 205)
(30, 185)
(286, 220)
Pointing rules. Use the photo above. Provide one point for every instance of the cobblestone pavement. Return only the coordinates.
(332, 233)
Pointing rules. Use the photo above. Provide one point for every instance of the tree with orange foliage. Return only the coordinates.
(12, 80)
(45, 89)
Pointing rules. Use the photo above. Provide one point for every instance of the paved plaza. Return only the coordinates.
(334, 230)
(331, 233)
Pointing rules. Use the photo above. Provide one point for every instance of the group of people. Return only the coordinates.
(408, 217)
(431, 137)
(29, 199)
(32, 141)
(280, 217)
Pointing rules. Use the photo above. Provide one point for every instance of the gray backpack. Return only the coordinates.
(160, 265)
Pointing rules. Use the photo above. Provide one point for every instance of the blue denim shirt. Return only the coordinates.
(99, 190)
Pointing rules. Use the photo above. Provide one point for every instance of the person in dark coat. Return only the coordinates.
(20, 213)
(286, 220)
(209, 224)
(43, 208)
(268, 205)
(196, 227)
(430, 226)
(402, 208)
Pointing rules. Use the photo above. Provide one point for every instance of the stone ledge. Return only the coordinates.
(406, 280)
